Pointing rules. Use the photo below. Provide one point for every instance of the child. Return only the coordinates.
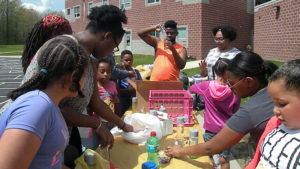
(126, 90)
(279, 145)
(107, 92)
(33, 131)
(220, 104)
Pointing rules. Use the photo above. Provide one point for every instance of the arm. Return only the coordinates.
(150, 40)
(222, 141)
(14, 143)
(119, 73)
(180, 59)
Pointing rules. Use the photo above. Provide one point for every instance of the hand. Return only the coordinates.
(173, 151)
(128, 128)
(168, 45)
(132, 74)
(203, 66)
(158, 27)
(106, 136)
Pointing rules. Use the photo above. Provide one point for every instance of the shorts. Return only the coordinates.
(208, 136)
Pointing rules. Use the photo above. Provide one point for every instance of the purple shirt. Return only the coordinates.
(220, 104)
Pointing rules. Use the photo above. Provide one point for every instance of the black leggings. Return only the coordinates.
(74, 149)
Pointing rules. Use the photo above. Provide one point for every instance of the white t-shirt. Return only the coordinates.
(280, 149)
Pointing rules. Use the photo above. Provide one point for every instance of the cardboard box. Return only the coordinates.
(143, 87)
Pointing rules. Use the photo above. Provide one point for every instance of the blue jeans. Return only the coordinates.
(209, 135)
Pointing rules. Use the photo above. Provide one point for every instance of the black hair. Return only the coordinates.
(125, 52)
(58, 57)
(290, 73)
(107, 18)
(39, 35)
(228, 32)
(220, 66)
(171, 24)
(104, 60)
(250, 64)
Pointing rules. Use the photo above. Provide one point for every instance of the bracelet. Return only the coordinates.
(123, 126)
(99, 125)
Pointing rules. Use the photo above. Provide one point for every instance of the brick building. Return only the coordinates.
(277, 29)
(195, 20)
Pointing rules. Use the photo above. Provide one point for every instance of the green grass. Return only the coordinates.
(11, 50)
(138, 59)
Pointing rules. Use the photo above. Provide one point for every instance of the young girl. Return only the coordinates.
(126, 91)
(108, 93)
(32, 129)
(279, 145)
(220, 104)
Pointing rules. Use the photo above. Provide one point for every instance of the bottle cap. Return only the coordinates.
(162, 108)
(89, 158)
(134, 99)
(180, 120)
(153, 112)
(149, 165)
(194, 133)
(153, 133)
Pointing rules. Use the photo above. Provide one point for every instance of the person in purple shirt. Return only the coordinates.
(220, 104)
(33, 132)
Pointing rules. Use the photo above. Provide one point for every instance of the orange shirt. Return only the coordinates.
(165, 68)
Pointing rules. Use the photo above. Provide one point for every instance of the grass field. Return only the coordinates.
(11, 50)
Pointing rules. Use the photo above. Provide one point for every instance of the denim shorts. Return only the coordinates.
(209, 135)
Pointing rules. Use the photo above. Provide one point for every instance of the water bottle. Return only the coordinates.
(180, 131)
(153, 112)
(152, 146)
(134, 105)
(162, 108)
(90, 160)
(193, 139)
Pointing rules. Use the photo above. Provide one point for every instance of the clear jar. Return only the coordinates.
(134, 105)
(180, 131)
(193, 139)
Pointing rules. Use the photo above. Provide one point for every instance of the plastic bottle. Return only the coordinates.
(162, 108)
(152, 147)
(193, 139)
(134, 105)
(180, 131)
(90, 160)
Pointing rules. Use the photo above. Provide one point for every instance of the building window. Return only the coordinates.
(90, 6)
(77, 11)
(68, 11)
(105, 2)
(150, 2)
(258, 2)
(157, 34)
(182, 33)
(125, 4)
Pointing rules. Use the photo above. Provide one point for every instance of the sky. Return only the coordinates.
(42, 5)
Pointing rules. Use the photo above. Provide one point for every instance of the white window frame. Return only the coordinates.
(187, 34)
(77, 13)
(153, 3)
(105, 4)
(156, 34)
(256, 7)
(89, 9)
(130, 38)
(68, 9)
(120, 5)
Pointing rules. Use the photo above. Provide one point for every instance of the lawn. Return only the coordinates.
(11, 50)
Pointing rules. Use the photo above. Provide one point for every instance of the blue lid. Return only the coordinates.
(149, 165)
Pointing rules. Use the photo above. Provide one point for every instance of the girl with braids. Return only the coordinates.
(247, 75)
(32, 129)
(47, 28)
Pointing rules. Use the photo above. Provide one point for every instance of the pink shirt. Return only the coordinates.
(220, 104)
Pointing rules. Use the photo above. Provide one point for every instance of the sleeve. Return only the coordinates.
(30, 117)
(113, 88)
(139, 77)
(118, 73)
(240, 121)
(198, 88)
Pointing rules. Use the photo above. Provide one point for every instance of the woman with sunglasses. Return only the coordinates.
(223, 36)
(247, 75)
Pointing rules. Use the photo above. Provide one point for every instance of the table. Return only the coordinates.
(125, 155)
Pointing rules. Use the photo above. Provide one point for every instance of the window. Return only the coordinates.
(125, 4)
(68, 11)
(152, 1)
(182, 33)
(77, 11)
(258, 2)
(157, 34)
(105, 2)
(90, 6)
(127, 38)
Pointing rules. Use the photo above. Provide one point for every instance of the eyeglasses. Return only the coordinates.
(116, 49)
(231, 86)
(219, 39)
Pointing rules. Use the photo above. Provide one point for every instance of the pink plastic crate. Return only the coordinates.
(177, 103)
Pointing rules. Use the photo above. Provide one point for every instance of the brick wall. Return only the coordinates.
(200, 16)
(278, 39)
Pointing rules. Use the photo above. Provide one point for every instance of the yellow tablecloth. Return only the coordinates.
(125, 155)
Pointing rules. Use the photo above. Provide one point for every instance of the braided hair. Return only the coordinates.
(45, 29)
(58, 57)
